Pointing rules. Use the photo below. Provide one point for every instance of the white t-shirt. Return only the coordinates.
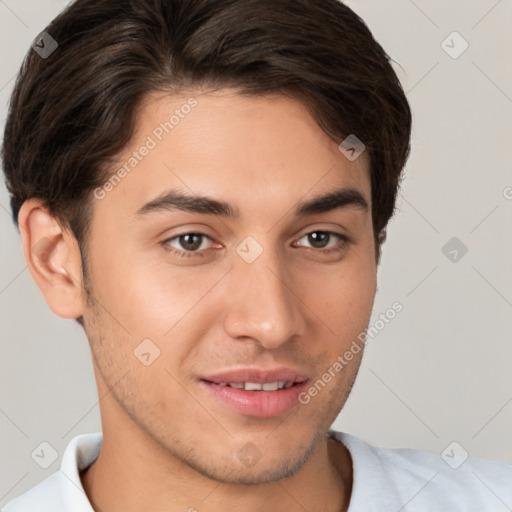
(392, 480)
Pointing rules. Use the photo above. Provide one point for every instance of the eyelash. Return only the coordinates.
(343, 241)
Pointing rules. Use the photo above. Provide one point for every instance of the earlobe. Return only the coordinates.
(53, 257)
(381, 238)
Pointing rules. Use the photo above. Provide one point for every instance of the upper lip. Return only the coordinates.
(258, 375)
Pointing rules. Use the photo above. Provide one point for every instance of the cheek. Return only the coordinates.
(147, 296)
(343, 297)
(151, 298)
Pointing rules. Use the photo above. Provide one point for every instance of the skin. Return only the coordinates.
(168, 445)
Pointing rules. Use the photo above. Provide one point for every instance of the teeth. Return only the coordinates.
(252, 386)
(256, 386)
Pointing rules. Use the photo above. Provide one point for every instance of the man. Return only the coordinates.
(208, 198)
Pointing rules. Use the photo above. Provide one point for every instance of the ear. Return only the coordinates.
(381, 238)
(53, 258)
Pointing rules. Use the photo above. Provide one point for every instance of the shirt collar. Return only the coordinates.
(80, 453)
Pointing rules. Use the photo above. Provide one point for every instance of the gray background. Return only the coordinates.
(440, 371)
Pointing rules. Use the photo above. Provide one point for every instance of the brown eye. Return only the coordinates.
(319, 239)
(326, 240)
(188, 242)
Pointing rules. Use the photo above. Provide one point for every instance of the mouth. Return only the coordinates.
(257, 386)
(257, 393)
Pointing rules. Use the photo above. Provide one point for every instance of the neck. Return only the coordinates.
(133, 476)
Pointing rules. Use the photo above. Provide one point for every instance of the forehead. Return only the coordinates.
(248, 150)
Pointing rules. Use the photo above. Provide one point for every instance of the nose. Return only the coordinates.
(262, 303)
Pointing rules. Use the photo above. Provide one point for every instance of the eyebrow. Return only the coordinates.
(175, 200)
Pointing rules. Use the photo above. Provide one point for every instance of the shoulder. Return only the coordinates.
(419, 480)
(44, 497)
(62, 491)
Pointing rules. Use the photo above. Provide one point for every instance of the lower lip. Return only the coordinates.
(261, 404)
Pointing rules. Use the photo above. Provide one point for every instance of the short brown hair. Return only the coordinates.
(71, 113)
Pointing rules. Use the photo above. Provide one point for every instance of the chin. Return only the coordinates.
(258, 473)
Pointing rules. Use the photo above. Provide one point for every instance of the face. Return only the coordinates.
(198, 304)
